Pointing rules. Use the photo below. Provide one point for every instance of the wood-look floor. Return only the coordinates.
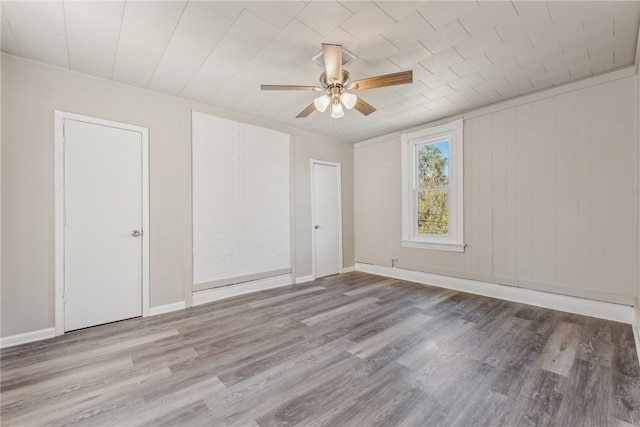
(348, 350)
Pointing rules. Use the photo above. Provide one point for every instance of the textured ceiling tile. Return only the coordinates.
(399, 10)
(410, 57)
(340, 36)
(556, 31)
(324, 17)
(562, 9)
(624, 55)
(353, 6)
(440, 78)
(34, 43)
(538, 55)
(368, 22)
(296, 35)
(479, 44)
(440, 13)
(471, 66)
(439, 92)
(253, 30)
(200, 29)
(444, 59)
(566, 59)
(466, 82)
(407, 31)
(602, 63)
(107, 11)
(32, 15)
(9, 44)
(145, 33)
(230, 9)
(500, 69)
(228, 58)
(278, 13)
(507, 51)
(488, 15)
(376, 49)
(91, 26)
(445, 37)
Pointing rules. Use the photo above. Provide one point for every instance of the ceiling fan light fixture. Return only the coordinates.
(336, 110)
(322, 103)
(349, 100)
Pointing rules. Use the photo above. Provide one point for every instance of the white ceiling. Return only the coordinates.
(464, 54)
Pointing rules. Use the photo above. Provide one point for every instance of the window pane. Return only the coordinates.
(433, 165)
(433, 212)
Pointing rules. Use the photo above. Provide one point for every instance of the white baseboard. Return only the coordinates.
(348, 269)
(636, 333)
(569, 304)
(167, 308)
(27, 337)
(305, 279)
(215, 294)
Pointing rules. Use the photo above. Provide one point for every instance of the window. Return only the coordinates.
(432, 188)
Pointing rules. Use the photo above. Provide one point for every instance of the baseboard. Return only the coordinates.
(167, 308)
(216, 294)
(348, 269)
(636, 333)
(305, 279)
(569, 304)
(27, 337)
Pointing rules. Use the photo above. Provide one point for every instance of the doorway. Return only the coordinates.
(326, 214)
(101, 220)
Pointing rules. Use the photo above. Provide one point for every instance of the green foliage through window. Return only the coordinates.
(432, 188)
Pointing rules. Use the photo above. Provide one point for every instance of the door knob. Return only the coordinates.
(316, 226)
(136, 233)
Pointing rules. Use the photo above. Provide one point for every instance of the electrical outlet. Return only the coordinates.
(394, 262)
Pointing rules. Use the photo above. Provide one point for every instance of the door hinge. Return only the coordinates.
(64, 298)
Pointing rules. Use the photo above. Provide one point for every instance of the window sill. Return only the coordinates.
(440, 246)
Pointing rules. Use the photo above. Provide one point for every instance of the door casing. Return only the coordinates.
(59, 119)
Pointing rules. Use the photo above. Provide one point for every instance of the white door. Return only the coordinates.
(103, 224)
(327, 218)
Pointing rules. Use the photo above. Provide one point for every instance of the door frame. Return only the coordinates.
(59, 208)
(313, 214)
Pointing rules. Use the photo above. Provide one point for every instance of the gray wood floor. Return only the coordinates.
(349, 350)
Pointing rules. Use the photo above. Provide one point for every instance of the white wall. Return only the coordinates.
(549, 194)
(30, 93)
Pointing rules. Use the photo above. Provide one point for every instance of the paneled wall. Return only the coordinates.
(549, 196)
(241, 202)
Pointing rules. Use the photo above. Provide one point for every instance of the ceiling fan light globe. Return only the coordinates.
(322, 103)
(336, 110)
(349, 100)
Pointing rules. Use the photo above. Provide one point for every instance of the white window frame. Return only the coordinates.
(454, 240)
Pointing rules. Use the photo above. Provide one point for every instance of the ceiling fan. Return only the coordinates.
(337, 85)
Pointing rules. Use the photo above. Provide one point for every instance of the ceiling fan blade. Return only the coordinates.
(310, 109)
(363, 107)
(333, 62)
(400, 78)
(290, 87)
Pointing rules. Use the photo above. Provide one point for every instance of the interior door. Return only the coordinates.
(327, 219)
(103, 220)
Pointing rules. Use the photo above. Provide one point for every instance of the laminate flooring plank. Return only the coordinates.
(369, 288)
(438, 334)
(288, 296)
(374, 343)
(32, 389)
(348, 350)
(559, 354)
(538, 402)
(325, 315)
(585, 401)
(82, 357)
(70, 406)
